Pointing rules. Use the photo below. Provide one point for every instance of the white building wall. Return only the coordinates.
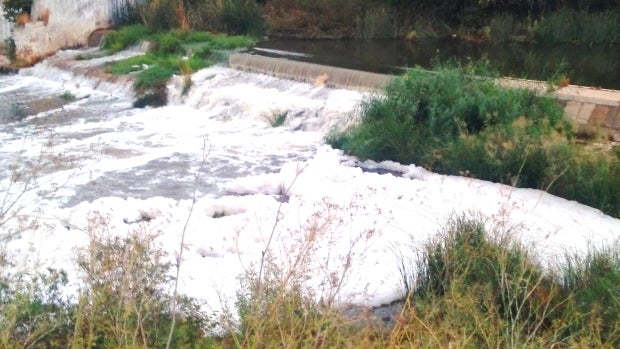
(5, 26)
(69, 24)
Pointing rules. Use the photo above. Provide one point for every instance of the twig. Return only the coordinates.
(273, 229)
(205, 154)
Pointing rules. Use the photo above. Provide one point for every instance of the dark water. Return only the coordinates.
(587, 65)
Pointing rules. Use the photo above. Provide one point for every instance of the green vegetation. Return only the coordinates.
(9, 48)
(67, 96)
(451, 122)
(122, 301)
(277, 118)
(127, 36)
(587, 21)
(467, 287)
(171, 52)
(230, 16)
(568, 26)
(475, 289)
(13, 8)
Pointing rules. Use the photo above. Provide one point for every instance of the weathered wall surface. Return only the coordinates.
(57, 24)
(5, 26)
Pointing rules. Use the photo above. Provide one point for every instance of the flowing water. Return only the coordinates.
(586, 65)
(209, 169)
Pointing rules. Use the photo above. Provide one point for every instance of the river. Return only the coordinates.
(78, 160)
(587, 65)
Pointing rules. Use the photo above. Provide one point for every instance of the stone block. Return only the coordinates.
(578, 111)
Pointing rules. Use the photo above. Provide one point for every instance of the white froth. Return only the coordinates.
(284, 177)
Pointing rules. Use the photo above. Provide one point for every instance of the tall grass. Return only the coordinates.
(475, 288)
(120, 39)
(451, 122)
(122, 301)
(567, 26)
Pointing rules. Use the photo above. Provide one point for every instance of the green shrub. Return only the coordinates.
(13, 8)
(67, 96)
(568, 26)
(124, 37)
(164, 58)
(450, 122)
(154, 77)
(9, 46)
(35, 313)
(591, 177)
(465, 258)
(167, 43)
(423, 113)
(475, 288)
(132, 64)
(242, 17)
(124, 301)
(591, 285)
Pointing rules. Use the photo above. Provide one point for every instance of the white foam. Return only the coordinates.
(342, 217)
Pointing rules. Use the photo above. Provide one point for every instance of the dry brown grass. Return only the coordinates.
(22, 19)
(44, 16)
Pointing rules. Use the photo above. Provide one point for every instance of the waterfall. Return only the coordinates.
(260, 97)
(214, 153)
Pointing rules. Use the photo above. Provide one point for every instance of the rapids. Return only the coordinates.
(211, 169)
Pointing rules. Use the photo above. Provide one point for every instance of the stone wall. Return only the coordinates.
(57, 24)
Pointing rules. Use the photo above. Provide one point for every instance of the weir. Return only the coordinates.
(586, 106)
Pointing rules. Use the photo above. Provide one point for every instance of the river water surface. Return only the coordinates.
(586, 65)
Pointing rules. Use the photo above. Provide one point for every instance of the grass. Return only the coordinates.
(450, 122)
(172, 52)
(567, 26)
(118, 40)
(67, 96)
(479, 289)
(277, 118)
(122, 300)
(469, 286)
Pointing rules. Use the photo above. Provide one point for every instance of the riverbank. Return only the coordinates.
(589, 108)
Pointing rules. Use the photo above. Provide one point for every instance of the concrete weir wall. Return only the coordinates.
(57, 24)
(586, 106)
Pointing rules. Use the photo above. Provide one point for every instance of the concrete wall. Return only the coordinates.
(58, 24)
(5, 26)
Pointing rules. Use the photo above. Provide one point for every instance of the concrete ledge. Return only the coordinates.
(310, 72)
(584, 105)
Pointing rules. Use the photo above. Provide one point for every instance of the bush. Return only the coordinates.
(164, 57)
(592, 283)
(450, 122)
(422, 114)
(35, 313)
(13, 8)
(567, 26)
(9, 46)
(125, 299)
(475, 288)
(242, 17)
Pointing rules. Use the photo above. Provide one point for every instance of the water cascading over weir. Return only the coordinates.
(586, 106)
